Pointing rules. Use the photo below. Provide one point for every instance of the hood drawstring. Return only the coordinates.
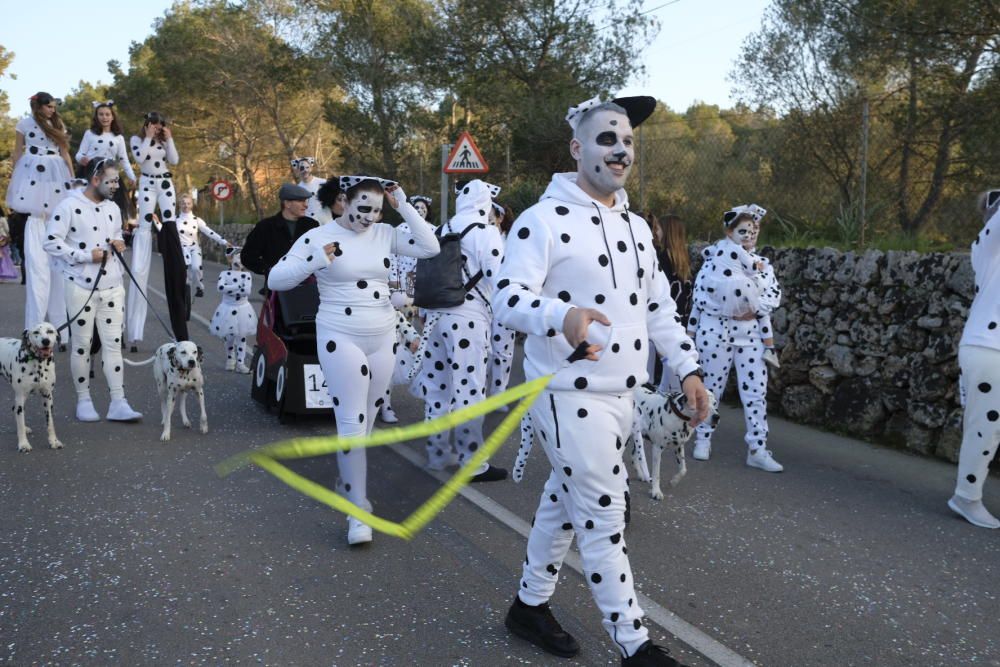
(610, 255)
(635, 249)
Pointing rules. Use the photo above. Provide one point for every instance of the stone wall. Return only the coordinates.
(235, 234)
(869, 343)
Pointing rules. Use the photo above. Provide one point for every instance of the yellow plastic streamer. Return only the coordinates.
(267, 457)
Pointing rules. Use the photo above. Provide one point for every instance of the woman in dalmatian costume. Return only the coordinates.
(979, 358)
(302, 167)
(332, 201)
(235, 318)
(104, 140)
(452, 373)
(40, 180)
(189, 226)
(356, 324)
(726, 304)
(580, 278)
(155, 153)
(501, 338)
(402, 270)
(81, 233)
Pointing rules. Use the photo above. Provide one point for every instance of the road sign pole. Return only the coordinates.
(445, 151)
(221, 218)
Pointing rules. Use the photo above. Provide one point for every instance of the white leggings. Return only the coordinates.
(357, 370)
(236, 348)
(981, 421)
(107, 309)
(44, 299)
(196, 275)
(584, 434)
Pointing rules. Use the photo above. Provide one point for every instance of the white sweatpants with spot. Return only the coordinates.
(142, 256)
(981, 420)
(722, 345)
(357, 370)
(195, 275)
(44, 300)
(453, 377)
(501, 358)
(107, 309)
(583, 434)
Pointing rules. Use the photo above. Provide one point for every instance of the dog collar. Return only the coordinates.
(673, 408)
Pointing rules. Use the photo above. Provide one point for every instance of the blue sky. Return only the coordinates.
(690, 59)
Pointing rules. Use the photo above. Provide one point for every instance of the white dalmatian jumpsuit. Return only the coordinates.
(501, 356)
(979, 358)
(452, 374)
(155, 188)
(570, 251)
(234, 319)
(314, 206)
(401, 269)
(76, 228)
(727, 286)
(188, 226)
(40, 180)
(356, 324)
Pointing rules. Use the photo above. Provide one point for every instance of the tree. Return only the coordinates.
(6, 124)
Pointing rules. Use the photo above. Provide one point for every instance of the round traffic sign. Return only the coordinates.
(222, 190)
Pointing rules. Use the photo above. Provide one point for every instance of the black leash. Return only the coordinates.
(97, 281)
(135, 283)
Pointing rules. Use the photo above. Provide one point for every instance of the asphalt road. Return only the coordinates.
(122, 550)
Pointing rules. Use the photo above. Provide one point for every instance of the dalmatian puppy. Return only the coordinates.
(177, 371)
(662, 419)
(26, 363)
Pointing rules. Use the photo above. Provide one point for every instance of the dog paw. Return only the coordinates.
(656, 494)
(27, 429)
(186, 423)
(55, 444)
(676, 479)
(203, 428)
(164, 437)
(23, 447)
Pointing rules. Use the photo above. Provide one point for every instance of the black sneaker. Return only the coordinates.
(491, 474)
(651, 655)
(538, 626)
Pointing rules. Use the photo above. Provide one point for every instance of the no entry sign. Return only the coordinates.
(222, 190)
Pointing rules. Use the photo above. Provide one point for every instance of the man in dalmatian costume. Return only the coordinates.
(580, 278)
(453, 371)
(303, 167)
(80, 236)
(979, 358)
(189, 226)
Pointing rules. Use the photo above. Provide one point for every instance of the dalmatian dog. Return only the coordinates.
(26, 363)
(662, 419)
(177, 371)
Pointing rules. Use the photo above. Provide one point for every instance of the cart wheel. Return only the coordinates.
(260, 371)
(279, 386)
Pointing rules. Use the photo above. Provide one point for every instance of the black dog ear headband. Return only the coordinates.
(232, 250)
(992, 197)
(638, 108)
(415, 198)
(105, 103)
(348, 182)
(756, 212)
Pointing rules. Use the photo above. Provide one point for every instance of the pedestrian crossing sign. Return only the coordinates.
(465, 157)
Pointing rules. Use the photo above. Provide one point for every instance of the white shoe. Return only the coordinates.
(230, 364)
(85, 411)
(771, 357)
(242, 369)
(973, 511)
(387, 414)
(761, 458)
(357, 532)
(121, 411)
(702, 450)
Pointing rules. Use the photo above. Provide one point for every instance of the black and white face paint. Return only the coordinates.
(421, 208)
(604, 149)
(363, 211)
(109, 183)
(744, 234)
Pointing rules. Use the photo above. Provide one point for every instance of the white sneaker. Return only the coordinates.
(387, 414)
(761, 458)
(771, 357)
(702, 450)
(357, 532)
(85, 411)
(121, 411)
(973, 511)
(242, 369)
(230, 364)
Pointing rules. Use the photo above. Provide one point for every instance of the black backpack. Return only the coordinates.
(442, 280)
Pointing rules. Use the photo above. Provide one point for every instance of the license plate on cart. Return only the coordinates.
(317, 394)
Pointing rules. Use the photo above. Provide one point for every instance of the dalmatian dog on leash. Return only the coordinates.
(177, 370)
(662, 419)
(26, 363)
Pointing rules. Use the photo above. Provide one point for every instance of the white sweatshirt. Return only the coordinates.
(353, 288)
(76, 227)
(983, 326)
(108, 146)
(188, 227)
(568, 250)
(154, 157)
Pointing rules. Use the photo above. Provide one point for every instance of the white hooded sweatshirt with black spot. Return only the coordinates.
(983, 326)
(568, 250)
(77, 227)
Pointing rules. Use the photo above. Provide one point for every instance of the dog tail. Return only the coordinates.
(145, 362)
(527, 440)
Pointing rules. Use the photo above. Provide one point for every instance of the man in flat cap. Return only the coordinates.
(273, 237)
